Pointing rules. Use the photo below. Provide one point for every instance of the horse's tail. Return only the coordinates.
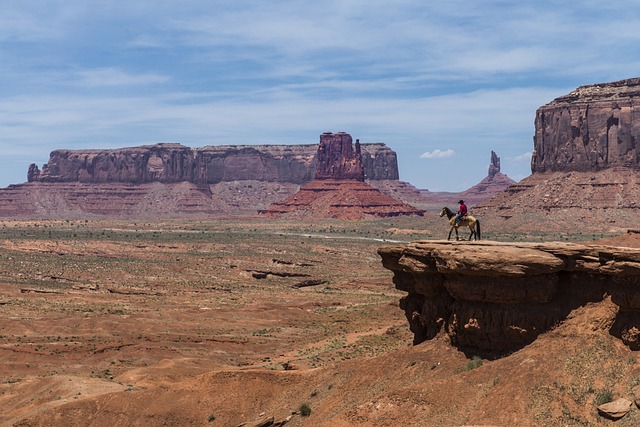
(478, 229)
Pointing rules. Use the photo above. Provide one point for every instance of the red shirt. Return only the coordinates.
(463, 209)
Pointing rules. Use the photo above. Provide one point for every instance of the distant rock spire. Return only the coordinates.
(494, 166)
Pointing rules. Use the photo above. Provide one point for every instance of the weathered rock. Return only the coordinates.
(341, 199)
(616, 409)
(78, 200)
(636, 393)
(585, 164)
(339, 190)
(498, 297)
(172, 163)
(494, 166)
(594, 127)
(338, 159)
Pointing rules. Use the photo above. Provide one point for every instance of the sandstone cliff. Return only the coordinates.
(498, 297)
(338, 190)
(337, 158)
(173, 163)
(585, 164)
(594, 127)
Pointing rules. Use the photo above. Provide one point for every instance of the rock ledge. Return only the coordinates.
(498, 297)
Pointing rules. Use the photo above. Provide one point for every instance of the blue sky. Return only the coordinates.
(441, 82)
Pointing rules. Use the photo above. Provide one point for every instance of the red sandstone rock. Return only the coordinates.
(337, 158)
(585, 164)
(339, 190)
(341, 199)
(594, 127)
(210, 165)
(497, 297)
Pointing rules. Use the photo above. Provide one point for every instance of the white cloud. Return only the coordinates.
(521, 157)
(438, 154)
(465, 75)
(115, 77)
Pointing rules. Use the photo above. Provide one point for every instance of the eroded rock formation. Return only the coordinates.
(173, 180)
(340, 199)
(585, 164)
(171, 163)
(498, 297)
(338, 159)
(594, 127)
(339, 190)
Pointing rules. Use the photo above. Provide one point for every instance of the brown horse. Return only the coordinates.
(467, 220)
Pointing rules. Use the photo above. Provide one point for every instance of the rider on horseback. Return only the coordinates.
(461, 212)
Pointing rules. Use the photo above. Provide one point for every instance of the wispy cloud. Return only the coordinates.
(116, 77)
(438, 154)
(463, 75)
(521, 158)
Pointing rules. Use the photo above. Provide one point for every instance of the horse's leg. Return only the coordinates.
(449, 236)
(471, 227)
(457, 235)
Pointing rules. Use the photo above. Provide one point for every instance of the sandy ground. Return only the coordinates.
(219, 322)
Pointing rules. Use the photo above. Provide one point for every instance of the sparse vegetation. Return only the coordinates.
(604, 396)
(304, 409)
(474, 363)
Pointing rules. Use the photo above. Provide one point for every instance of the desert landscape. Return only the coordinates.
(237, 321)
(272, 286)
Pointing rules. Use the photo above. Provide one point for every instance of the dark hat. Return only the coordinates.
(461, 201)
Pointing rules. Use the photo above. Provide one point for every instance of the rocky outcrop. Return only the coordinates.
(585, 164)
(338, 159)
(594, 127)
(340, 199)
(172, 163)
(338, 190)
(494, 183)
(498, 297)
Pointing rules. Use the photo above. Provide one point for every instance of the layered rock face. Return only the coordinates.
(172, 163)
(498, 297)
(340, 199)
(594, 127)
(77, 200)
(337, 158)
(585, 164)
(338, 190)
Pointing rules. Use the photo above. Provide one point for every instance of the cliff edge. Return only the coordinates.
(497, 297)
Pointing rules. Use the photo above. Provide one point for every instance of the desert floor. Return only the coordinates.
(248, 318)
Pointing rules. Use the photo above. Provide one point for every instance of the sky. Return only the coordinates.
(442, 83)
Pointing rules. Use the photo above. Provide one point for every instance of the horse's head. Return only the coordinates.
(443, 212)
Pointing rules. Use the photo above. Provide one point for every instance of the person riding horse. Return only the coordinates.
(462, 211)
(464, 220)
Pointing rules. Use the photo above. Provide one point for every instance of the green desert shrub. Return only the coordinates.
(474, 363)
(604, 397)
(305, 409)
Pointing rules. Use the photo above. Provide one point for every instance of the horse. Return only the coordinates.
(467, 220)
